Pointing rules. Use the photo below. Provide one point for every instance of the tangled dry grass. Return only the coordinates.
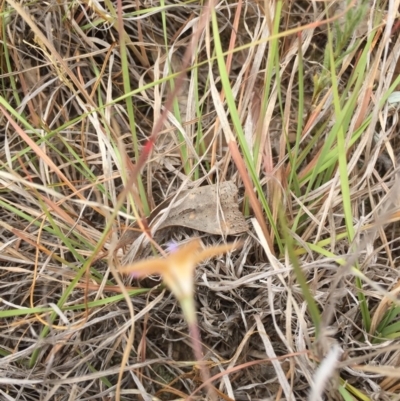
(77, 107)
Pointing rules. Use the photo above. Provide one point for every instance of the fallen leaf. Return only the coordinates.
(212, 209)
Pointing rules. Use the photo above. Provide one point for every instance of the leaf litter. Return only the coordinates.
(250, 308)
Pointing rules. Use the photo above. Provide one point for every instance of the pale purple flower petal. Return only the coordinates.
(172, 247)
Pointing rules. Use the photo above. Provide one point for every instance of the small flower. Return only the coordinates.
(177, 272)
(172, 247)
(177, 269)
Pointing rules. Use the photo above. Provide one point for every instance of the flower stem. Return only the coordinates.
(189, 311)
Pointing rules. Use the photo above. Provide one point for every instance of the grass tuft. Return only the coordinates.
(110, 110)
